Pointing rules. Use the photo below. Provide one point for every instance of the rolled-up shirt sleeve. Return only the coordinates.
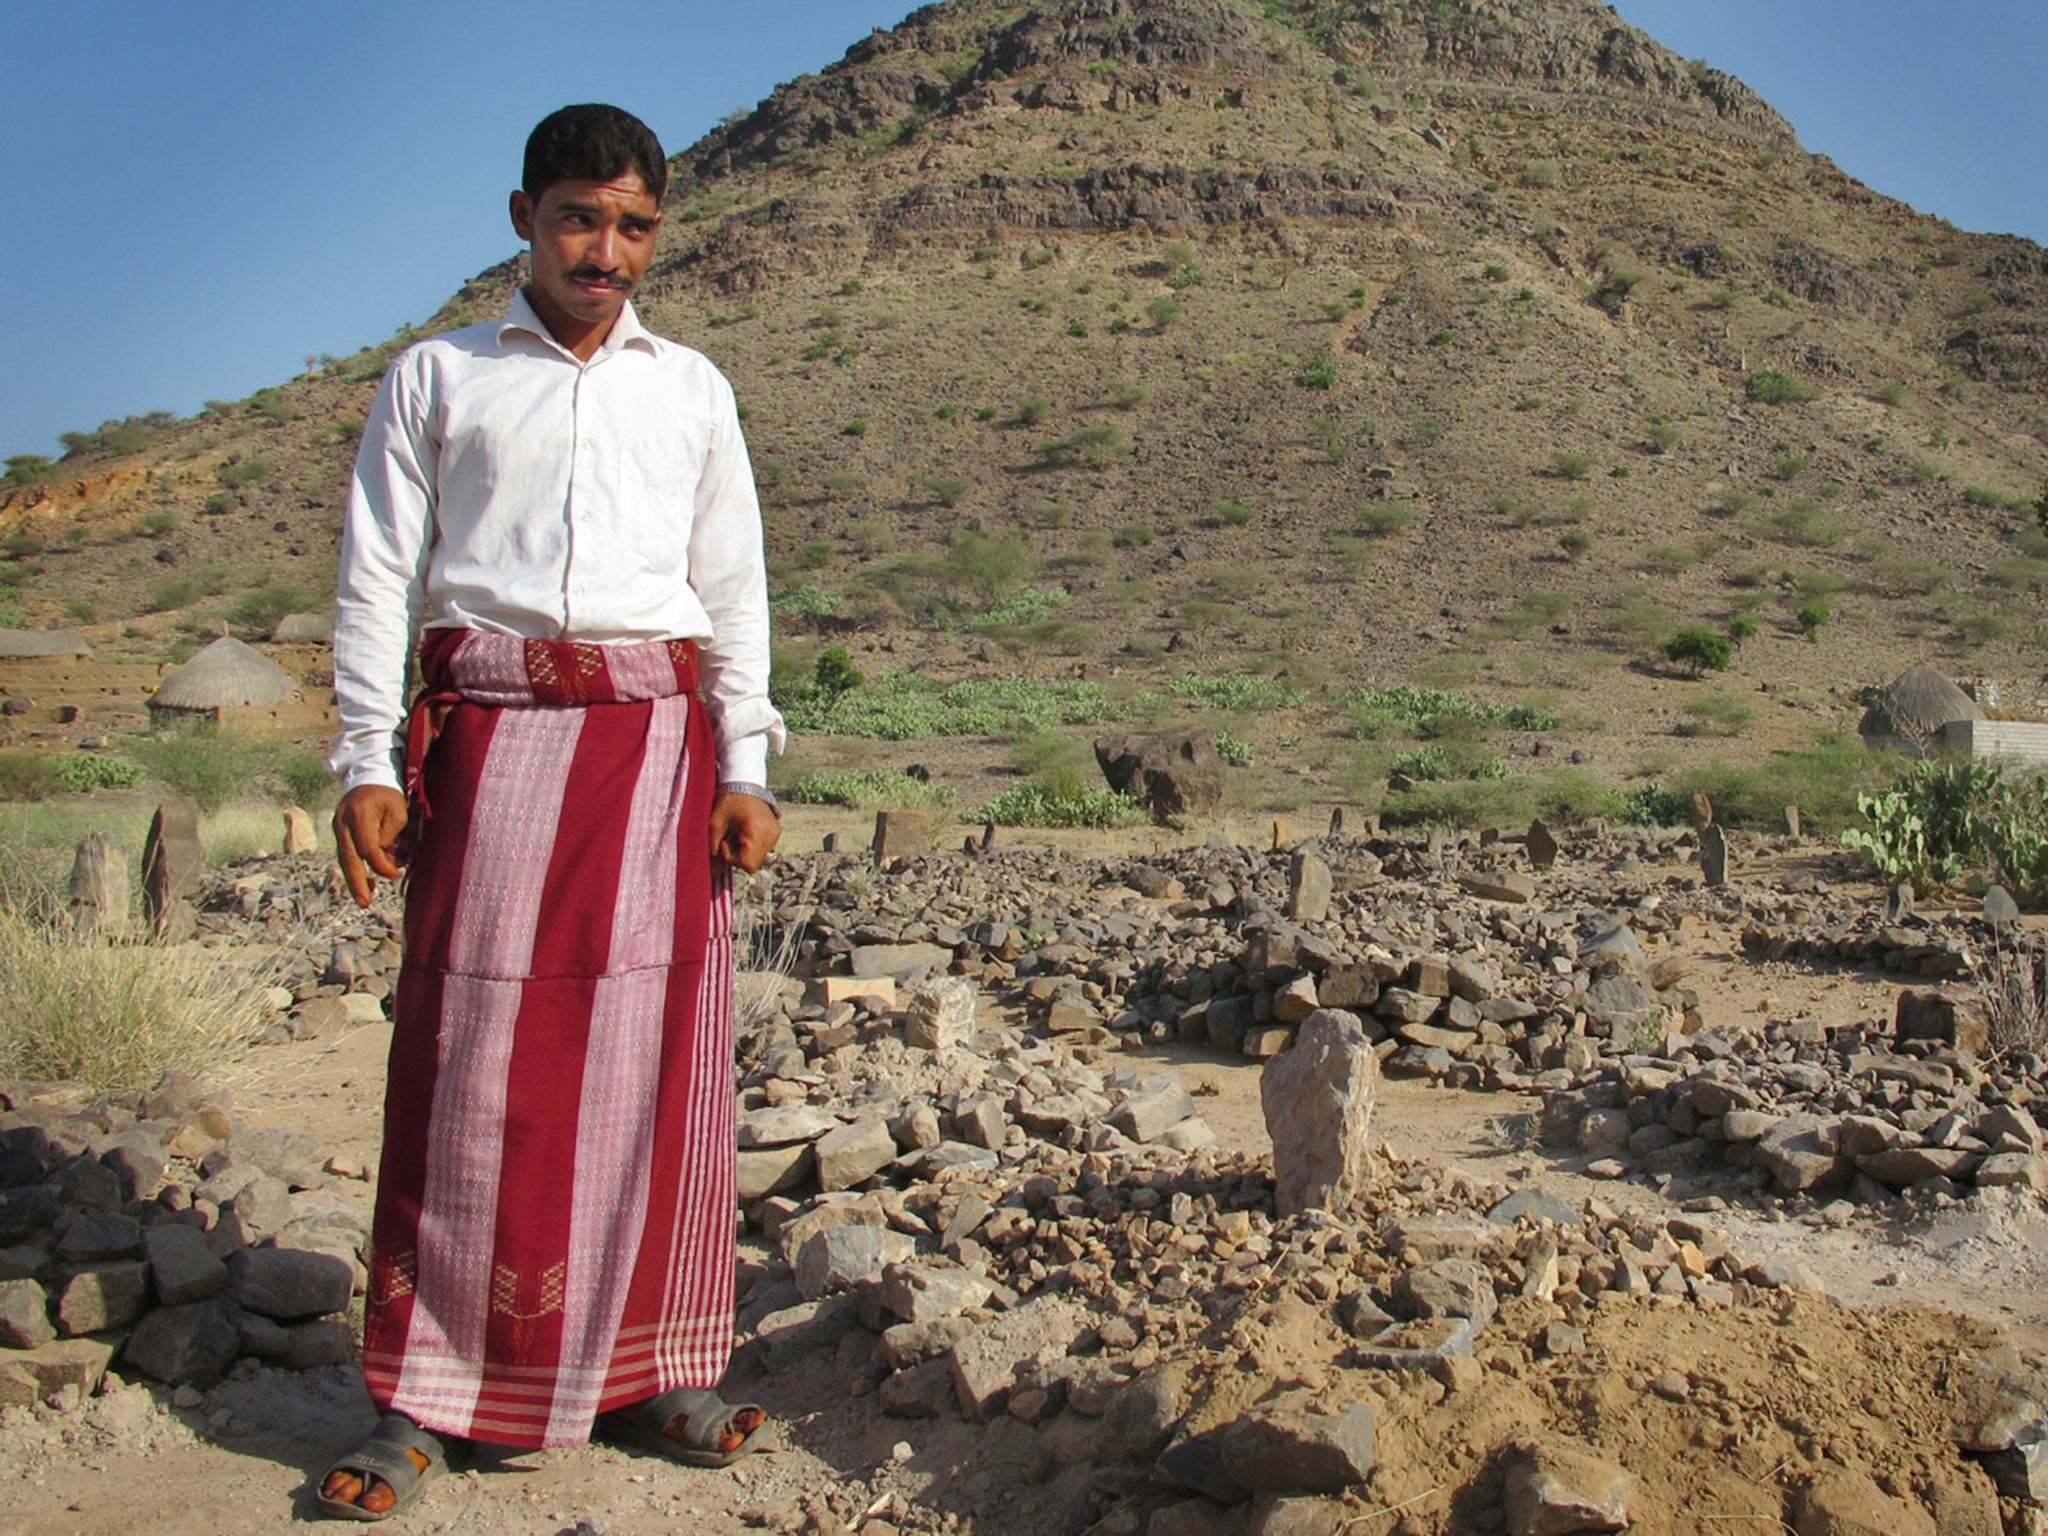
(380, 594)
(728, 574)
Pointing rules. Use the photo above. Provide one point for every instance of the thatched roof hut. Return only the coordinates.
(304, 629)
(1912, 711)
(226, 675)
(33, 644)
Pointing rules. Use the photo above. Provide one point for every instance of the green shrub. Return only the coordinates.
(1767, 386)
(215, 766)
(1812, 615)
(1741, 629)
(1384, 518)
(261, 607)
(1716, 714)
(1613, 290)
(1807, 524)
(1126, 396)
(1162, 310)
(1822, 780)
(1133, 536)
(1237, 690)
(1095, 444)
(25, 469)
(1234, 749)
(1699, 649)
(1317, 373)
(1032, 410)
(1562, 797)
(1655, 805)
(808, 601)
(904, 706)
(858, 427)
(238, 473)
(1060, 800)
(1571, 466)
(84, 773)
(946, 490)
(1234, 514)
(879, 789)
(1026, 605)
(1437, 711)
(1984, 496)
(1575, 542)
(835, 674)
(28, 776)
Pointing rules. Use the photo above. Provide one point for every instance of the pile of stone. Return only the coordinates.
(1794, 1109)
(1480, 963)
(845, 1089)
(333, 964)
(1186, 1333)
(1865, 939)
(158, 1238)
(1235, 949)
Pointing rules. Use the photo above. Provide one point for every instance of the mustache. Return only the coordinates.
(603, 275)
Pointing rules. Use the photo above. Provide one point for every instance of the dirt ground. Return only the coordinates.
(1774, 1390)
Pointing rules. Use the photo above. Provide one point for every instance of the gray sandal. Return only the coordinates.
(706, 1418)
(382, 1459)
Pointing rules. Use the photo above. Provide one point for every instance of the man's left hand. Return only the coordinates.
(744, 831)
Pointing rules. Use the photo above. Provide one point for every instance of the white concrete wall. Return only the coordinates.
(2022, 743)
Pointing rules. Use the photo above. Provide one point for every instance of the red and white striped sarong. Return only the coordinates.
(554, 1227)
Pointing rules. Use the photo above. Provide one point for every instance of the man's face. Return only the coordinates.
(591, 242)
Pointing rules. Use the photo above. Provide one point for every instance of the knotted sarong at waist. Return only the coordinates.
(554, 1225)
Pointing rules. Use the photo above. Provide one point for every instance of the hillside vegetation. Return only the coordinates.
(1481, 343)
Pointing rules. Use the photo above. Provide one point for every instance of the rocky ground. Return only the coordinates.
(1591, 1194)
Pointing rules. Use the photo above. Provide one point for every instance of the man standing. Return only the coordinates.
(560, 501)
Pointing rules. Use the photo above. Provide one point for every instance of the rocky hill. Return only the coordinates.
(1478, 342)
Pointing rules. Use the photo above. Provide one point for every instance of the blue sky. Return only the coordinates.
(199, 196)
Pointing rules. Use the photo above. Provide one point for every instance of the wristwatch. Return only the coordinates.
(759, 792)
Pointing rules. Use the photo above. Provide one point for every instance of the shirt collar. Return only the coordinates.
(627, 331)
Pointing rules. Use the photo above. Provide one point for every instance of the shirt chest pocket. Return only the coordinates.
(660, 469)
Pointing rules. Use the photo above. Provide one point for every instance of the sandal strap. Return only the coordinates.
(383, 1455)
(701, 1409)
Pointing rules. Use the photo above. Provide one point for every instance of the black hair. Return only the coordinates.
(592, 143)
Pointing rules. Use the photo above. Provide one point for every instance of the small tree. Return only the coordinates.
(836, 673)
(1811, 616)
(1699, 649)
(1741, 628)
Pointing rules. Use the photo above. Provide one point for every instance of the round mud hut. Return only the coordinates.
(1908, 716)
(38, 644)
(226, 676)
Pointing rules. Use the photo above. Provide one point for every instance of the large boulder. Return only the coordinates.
(1176, 777)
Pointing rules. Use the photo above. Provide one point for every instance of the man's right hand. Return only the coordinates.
(367, 824)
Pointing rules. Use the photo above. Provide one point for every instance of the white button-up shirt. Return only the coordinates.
(505, 485)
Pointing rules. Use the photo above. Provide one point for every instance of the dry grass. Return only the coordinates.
(115, 1017)
(2016, 995)
(767, 933)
